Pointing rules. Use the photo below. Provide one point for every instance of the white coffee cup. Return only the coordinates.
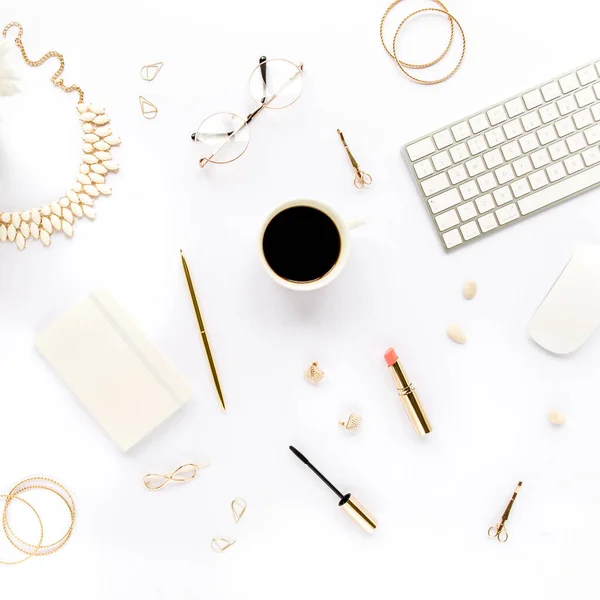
(343, 228)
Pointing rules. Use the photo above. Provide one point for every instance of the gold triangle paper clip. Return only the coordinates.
(149, 72)
(148, 109)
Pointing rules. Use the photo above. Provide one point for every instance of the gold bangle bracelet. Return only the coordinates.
(39, 545)
(464, 47)
(409, 65)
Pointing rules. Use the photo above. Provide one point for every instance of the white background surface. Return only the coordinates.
(488, 401)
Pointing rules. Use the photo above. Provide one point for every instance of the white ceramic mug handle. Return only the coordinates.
(354, 223)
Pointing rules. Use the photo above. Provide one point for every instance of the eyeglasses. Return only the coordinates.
(224, 137)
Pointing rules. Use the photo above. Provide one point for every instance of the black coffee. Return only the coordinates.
(301, 244)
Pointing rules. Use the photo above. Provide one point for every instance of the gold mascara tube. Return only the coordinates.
(408, 394)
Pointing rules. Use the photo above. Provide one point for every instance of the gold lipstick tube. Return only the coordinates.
(410, 399)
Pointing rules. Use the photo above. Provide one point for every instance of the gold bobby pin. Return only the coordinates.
(499, 529)
(238, 508)
(361, 178)
(148, 109)
(183, 474)
(149, 72)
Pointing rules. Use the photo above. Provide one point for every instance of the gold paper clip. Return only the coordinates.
(361, 178)
(183, 474)
(499, 529)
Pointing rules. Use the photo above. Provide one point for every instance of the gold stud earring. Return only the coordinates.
(238, 508)
(313, 374)
(220, 544)
(149, 72)
(352, 423)
(148, 109)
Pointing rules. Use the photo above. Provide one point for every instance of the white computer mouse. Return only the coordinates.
(570, 313)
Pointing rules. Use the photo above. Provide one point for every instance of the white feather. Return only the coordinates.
(8, 77)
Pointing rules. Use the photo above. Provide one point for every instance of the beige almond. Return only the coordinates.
(455, 333)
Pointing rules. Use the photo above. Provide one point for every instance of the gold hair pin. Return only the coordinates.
(220, 544)
(361, 178)
(238, 508)
(183, 474)
(313, 374)
(499, 529)
(149, 72)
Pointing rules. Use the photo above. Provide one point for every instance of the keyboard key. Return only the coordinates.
(457, 174)
(565, 126)
(567, 105)
(587, 75)
(495, 137)
(447, 220)
(486, 182)
(459, 153)
(540, 158)
(435, 184)
(522, 166)
(485, 203)
(549, 113)
(420, 149)
(479, 123)
(533, 99)
(585, 97)
(515, 107)
(529, 143)
(561, 190)
(470, 230)
(520, 187)
(477, 145)
(591, 156)
(583, 118)
(568, 83)
(596, 112)
(577, 142)
(513, 129)
(493, 159)
(503, 195)
(444, 201)
(452, 239)
(558, 150)
(574, 163)
(443, 139)
(511, 151)
(508, 213)
(475, 166)
(467, 211)
(423, 168)
(547, 134)
(504, 174)
(487, 223)
(531, 120)
(550, 91)
(497, 115)
(592, 135)
(461, 131)
(469, 190)
(538, 180)
(556, 172)
(441, 161)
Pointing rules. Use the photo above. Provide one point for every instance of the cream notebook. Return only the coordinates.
(113, 369)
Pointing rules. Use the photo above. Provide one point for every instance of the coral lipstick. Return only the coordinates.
(407, 394)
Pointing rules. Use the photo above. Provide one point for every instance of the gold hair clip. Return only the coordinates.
(499, 529)
(220, 544)
(149, 72)
(352, 423)
(313, 374)
(238, 508)
(149, 111)
(183, 474)
(361, 178)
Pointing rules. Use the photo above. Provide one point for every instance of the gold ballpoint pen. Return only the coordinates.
(209, 356)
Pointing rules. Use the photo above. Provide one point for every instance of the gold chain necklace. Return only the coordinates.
(40, 223)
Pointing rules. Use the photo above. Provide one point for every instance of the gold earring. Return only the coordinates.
(352, 423)
(149, 72)
(148, 109)
(313, 374)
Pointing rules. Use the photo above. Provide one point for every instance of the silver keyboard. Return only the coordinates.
(513, 160)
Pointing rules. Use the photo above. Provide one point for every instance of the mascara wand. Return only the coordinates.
(352, 507)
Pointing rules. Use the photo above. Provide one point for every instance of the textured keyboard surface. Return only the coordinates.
(512, 160)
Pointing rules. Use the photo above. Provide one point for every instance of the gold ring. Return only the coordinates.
(464, 47)
(408, 65)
